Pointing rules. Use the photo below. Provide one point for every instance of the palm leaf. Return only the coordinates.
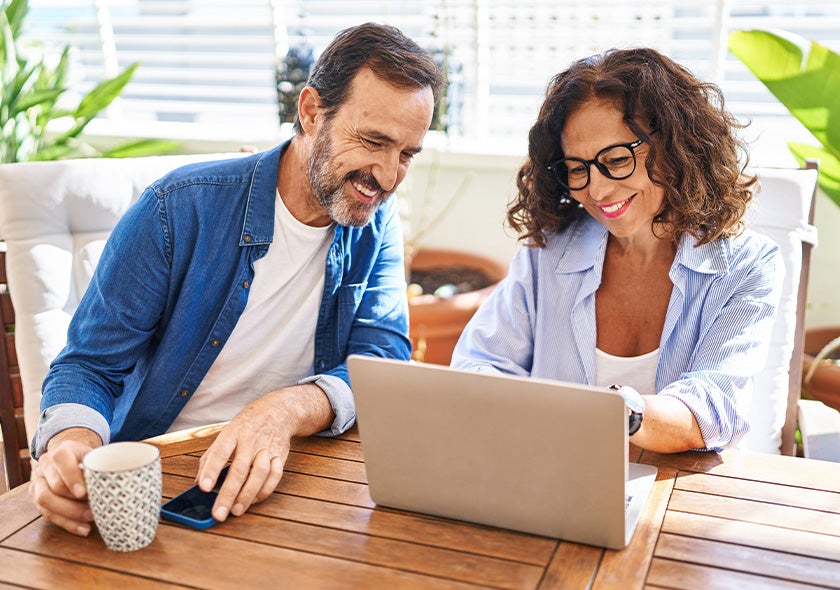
(805, 77)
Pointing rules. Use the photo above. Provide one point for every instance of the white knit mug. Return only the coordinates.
(124, 490)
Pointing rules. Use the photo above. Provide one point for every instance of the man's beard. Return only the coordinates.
(329, 189)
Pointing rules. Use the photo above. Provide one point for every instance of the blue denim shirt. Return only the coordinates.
(174, 278)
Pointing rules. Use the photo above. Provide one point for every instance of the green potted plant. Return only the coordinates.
(805, 77)
(35, 122)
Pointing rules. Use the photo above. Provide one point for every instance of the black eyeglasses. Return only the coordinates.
(616, 161)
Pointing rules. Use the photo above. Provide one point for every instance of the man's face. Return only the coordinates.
(361, 154)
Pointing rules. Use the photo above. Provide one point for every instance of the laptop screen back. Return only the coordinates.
(526, 454)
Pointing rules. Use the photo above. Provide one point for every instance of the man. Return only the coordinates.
(235, 290)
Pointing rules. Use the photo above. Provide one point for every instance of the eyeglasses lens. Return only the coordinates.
(616, 162)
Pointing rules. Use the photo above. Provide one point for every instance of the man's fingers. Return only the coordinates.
(71, 515)
(214, 460)
(243, 488)
(236, 478)
(260, 469)
(63, 473)
(72, 526)
(273, 480)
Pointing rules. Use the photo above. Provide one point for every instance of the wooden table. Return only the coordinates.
(729, 520)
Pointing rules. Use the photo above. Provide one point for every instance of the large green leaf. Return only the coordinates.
(803, 75)
(21, 84)
(52, 152)
(16, 11)
(142, 147)
(829, 167)
(8, 51)
(36, 97)
(104, 93)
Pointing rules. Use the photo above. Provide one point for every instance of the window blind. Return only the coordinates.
(208, 66)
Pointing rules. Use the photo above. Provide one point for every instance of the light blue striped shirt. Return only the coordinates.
(540, 321)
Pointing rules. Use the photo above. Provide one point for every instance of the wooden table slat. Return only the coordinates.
(404, 555)
(751, 560)
(572, 566)
(781, 540)
(780, 469)
(353, 471)
(409, 526)
(26, 570)
(746, 489)
(174, 553)
(351, 435)
(757, 512)
(620, 569)
(16, 511)
(665, 573)
(318, 445)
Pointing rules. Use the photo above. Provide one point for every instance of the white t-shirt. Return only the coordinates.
(272, 344)
(639, 372)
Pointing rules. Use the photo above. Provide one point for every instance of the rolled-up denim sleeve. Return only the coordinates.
(63, 416)
(341, 401)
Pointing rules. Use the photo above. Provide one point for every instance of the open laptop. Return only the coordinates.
(526, 454)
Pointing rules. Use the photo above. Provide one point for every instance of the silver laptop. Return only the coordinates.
(526, 454)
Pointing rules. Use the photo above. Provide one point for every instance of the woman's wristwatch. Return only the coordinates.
(635, 405)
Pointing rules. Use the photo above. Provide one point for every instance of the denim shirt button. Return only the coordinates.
(246, 239)
(246, 284)
(322, 365)
(215, 342)
(185, 393)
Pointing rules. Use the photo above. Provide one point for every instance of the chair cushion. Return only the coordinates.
(55, 218)
(780, 211)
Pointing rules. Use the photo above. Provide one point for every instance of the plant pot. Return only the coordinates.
(435, 322)
(824, 384)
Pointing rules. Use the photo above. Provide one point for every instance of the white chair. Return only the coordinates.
(784, 210)
(55, 218)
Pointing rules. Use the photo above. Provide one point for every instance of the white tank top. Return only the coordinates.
(638, 372)
(272, 344)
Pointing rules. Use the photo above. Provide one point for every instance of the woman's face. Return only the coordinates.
(626, 207)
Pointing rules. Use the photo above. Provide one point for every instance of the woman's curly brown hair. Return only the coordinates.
(695, 154)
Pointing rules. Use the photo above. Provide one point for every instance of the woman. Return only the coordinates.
(637, 269)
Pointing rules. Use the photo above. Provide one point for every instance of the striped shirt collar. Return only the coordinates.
(586, 241)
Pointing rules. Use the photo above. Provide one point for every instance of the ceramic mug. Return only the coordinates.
(124, 490)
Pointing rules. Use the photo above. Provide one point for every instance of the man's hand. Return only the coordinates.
(257, 441)
(57, 484)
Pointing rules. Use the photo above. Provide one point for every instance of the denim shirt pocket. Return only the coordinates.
(349, 300)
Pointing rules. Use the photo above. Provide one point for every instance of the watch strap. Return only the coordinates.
(635, 403)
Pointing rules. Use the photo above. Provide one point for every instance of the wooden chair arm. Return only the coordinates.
(186, 441)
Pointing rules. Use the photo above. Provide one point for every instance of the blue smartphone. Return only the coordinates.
(192, 507)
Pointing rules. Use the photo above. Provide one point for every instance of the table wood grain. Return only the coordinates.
(728, 520)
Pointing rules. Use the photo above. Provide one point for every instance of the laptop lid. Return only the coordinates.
(526, 454)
